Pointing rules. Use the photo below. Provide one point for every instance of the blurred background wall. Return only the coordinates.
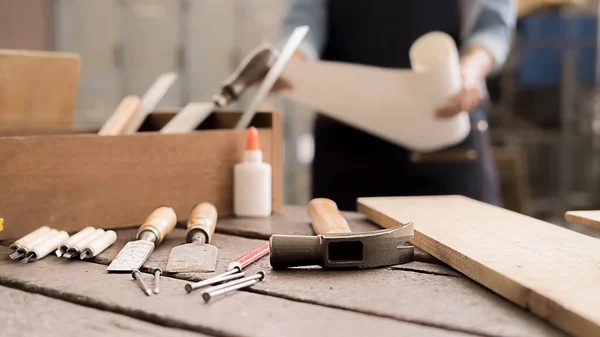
(545, 107)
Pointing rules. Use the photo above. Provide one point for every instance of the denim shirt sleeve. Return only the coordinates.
(490, 24)
(313, 14)
(487, 23)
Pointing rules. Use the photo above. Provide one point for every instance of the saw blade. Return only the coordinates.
(132, 256)
(192, 258)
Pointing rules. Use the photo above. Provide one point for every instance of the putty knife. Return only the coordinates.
(197, 256)
(151, 233)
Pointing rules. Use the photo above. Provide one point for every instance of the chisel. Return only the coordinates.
(197, 256)
(72, 240)
(25, 248)
(251, 70)
(46, 247)
(80, 245)
(150, 100)
(99, 245)
(24, 241)
(150, 234)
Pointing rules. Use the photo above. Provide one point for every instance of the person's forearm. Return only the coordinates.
(476, 63)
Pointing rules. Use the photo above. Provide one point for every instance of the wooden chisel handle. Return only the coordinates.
(120, 118)
(326, 217)
(160, 222)
(203, 218)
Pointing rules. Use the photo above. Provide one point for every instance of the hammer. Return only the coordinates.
(336, 246)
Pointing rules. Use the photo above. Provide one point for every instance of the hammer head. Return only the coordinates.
(356, 250)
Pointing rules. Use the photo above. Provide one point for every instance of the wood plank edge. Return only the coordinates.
(509, 289)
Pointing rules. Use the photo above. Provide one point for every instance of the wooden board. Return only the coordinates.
(414, 299)
(28, 314)
(551, 271)
(37, 89)
(587, 218)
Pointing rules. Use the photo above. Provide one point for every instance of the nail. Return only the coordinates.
(137, 276)
(157, 273)
(233, 285)
(234, 274)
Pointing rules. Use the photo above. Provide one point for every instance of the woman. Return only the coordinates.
(349, 163)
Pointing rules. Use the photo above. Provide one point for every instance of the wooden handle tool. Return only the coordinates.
(203, 219)
(29, 237)
(99, 245)
(326, 217)
(77, 247)
(160, 222)
(117, 123)
(46, 247)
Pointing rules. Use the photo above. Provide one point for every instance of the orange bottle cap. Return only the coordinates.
(252, 140)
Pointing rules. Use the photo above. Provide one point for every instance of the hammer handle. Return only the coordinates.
(326, 217)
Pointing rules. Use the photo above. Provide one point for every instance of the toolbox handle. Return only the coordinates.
(326, 217)
(203, 218)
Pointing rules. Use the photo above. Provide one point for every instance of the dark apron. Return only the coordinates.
(349, 163)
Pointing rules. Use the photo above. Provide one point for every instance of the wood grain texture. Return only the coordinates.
(33, 315)
(241, 313)
(73, 181)
(326, 217)
(551, 271)
(586, 218)
(37, 89)
(408, 292)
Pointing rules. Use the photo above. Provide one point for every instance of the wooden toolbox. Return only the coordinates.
(71, 179)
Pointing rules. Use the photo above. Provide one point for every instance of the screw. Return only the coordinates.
(137, 276)
(233, 285)
(189, 287)
(157, 273)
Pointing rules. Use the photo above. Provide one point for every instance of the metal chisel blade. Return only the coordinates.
(132, 256)
(192, 258)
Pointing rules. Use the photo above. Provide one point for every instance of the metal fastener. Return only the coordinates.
(137, 276)
(233, 285)
(157, 273)
(230, 275)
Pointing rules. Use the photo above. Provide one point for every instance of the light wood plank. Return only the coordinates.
(28, 314)
(550, 270)
(586, 218)
(241, 313)
(37, 89)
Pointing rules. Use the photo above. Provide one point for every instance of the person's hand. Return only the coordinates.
(475, 66)
(469, 97)
(281, 83)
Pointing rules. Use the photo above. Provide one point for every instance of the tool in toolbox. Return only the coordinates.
(336, 246)
(99, 245)
(1, 224)
(24, 241)
(274, 72)
(197, 256)
(150, 234)
(77, 247)
(29, 244)
(72, 240)
(245, 282)
(45, 247)
(150, 100)
(234, 269)
(137, 276)
(251, 70)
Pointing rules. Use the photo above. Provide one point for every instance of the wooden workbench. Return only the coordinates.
(56, 297)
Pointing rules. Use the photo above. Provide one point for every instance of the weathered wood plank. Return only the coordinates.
(27, 314)
(238, 314)
(547, 269)
(454, 303)
(295, 220)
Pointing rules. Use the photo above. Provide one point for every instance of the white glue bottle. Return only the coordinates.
(252, 181)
